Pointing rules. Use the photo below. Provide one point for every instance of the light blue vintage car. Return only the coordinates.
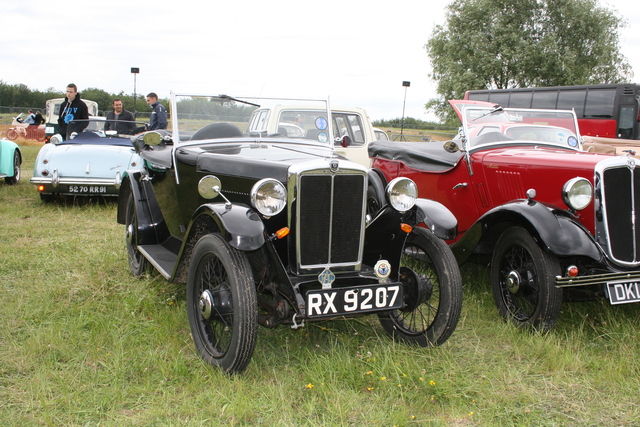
(89, 161)
(10, 161)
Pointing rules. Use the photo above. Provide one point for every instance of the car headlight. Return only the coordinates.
(269, 196)
(402, 194)
(577, 193)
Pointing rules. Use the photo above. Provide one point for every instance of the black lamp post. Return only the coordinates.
(135, 71)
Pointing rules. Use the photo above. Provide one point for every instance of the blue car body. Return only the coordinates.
(10, 161)
(90, 162)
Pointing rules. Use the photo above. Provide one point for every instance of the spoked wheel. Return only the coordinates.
(11, 180)
(222, 304)
(523, 281)
(12, 134)
(432, 292)
(138, 264)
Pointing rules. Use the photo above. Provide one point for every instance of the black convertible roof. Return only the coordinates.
(425, 156)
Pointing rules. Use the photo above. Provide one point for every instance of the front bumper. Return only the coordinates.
(596, 279)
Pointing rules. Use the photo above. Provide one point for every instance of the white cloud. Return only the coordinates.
(358, 53)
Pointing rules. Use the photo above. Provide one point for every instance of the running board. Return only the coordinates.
(164, 256)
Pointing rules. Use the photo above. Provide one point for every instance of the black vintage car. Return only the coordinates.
(268, 230)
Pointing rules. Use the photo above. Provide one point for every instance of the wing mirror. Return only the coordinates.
(451, 147)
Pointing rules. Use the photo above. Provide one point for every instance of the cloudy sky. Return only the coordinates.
(355, 52)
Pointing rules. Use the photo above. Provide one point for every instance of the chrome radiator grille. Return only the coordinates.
(330, 219)
(621, 198)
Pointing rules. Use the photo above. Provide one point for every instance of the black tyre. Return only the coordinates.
(12, 134)
(523, 281)
(11, 180)
(432, 292)
(138, 264)
(222, 304)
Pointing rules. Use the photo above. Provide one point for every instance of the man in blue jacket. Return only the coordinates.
(159, 114)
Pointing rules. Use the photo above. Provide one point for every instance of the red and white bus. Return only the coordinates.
(608, 110)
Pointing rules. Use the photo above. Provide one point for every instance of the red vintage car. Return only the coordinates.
(545, 213)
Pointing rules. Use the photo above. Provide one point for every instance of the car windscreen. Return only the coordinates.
(484, 125)
(101, 131)
(198, 117)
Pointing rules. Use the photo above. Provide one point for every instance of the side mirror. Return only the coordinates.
(451, 147)
(346, 141)
(152, 138)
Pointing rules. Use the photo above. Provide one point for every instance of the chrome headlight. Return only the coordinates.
(402, 194)
(269, 196)
(577, 193)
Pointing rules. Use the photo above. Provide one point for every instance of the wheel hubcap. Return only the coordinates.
(206, 304)
(513, 282)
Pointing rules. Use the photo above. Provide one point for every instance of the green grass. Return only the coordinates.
(83, 343)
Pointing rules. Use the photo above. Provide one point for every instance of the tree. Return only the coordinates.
(502, 44)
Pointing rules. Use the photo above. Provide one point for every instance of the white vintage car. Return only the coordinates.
(89, 162)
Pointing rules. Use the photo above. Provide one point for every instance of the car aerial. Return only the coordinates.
(10, 161)
(90, 161)
(550, 217)
(270, 230)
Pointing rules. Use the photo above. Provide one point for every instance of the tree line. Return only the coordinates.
(20, 95)
(506, 44)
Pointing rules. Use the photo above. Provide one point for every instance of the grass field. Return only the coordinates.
(83, 343)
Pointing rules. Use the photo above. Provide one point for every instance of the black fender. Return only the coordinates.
(437, 218)
(152, 228)
(554, 230)
(240, 225)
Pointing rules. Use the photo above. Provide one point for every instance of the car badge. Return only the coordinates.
(382, 270)
(326, 278)
(631, 162)
(333, 164)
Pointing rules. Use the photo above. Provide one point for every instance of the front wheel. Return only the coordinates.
(11, 180)
(12, 134)
(523, 281)
(432, 292)
(222, 304)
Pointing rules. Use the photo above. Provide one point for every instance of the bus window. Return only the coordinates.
(500, 98)
(572, 99)
(600, 103)
(545, 99)
(625, 122)
(520, 99)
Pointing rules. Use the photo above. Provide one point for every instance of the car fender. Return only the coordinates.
(240, 225)
(553, 229)
(152, 228)
(7, 150)
(437, 218)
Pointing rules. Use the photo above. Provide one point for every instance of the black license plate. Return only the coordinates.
(362, 299)
(623, 292)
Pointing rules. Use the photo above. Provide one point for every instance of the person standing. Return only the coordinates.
(159, 113)
(72, 109)
(119, 119)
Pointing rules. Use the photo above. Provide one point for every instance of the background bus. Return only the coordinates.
(609, 110)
